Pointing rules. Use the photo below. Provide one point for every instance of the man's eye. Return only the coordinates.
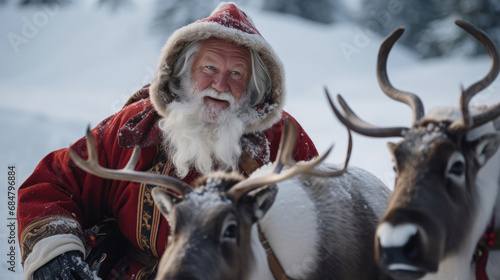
(235, 73)
(210, 67)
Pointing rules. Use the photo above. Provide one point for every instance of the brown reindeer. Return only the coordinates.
(317, 228)
(447, 179)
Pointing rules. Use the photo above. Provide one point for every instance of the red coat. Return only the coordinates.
(59, 190)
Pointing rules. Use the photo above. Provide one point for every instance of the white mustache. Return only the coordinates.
(225, 96)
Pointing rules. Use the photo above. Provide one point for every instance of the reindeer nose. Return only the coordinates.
(395, 257)
(400, 250)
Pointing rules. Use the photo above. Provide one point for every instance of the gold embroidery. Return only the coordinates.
(145, 219)
(45, 227)
(148, 200)
(148, 217)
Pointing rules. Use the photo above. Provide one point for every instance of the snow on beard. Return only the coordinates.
(203, 136)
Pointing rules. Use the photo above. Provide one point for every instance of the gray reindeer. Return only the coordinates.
(282, 222)
(447, 180)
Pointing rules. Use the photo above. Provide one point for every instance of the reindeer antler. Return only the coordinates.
(467, 121)
(91, 165)
(283, 158)
(352, 121)
(355, 123)
(321, 173)
(408, 98)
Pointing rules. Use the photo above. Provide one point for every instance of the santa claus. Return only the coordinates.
(215, 103)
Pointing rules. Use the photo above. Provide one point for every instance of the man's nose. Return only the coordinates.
(220, 82)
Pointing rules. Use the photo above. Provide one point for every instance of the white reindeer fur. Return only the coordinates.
(290, 226)
(295, 226)
(459, 266)
(487, 182)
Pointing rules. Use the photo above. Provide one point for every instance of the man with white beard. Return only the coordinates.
(211, 103)
(215, 104)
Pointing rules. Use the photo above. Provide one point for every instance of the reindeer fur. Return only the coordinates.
(318, 228)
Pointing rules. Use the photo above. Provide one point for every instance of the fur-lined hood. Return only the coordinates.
(230, 23)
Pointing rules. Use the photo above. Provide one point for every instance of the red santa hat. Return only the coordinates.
(230, 23)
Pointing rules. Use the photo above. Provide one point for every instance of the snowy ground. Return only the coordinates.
(63, 68)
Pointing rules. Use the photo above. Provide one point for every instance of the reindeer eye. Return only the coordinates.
(231, 231)
(457, 168)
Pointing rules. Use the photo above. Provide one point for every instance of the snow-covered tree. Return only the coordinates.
(115, 5)
(429, 23)
(316, 10)
(42, 2)
(173, 14)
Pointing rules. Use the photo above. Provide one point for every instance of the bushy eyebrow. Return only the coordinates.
(242, 65)
(210, 59)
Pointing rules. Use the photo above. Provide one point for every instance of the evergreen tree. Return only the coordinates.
(42, 2)
(382, 17)
(429, 23)
(322, 11)
(173, 14)
(114, 5)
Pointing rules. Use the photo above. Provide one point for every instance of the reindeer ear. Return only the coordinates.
(391, 146)
(261, 200)
(485, 147)
(164, 200)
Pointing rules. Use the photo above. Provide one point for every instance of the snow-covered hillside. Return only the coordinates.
(65, 67)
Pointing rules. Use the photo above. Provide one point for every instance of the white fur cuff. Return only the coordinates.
(49, 248)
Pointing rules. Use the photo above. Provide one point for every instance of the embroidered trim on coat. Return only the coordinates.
(148, 216)
(45, 227)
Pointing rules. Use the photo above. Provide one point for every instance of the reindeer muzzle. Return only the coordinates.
(408, 249)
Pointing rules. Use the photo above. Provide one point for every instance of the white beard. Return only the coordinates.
(196, 135)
